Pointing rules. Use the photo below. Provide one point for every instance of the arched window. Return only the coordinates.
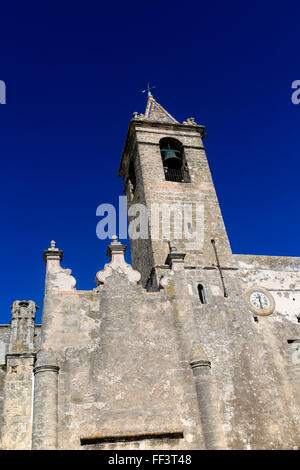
(201, 294)
(174, 162)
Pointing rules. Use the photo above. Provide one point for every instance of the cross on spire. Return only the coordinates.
(148, 89)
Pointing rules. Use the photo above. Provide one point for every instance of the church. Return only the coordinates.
(190, 347)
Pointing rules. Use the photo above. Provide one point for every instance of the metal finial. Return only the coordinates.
(52, 244)
(148, 89)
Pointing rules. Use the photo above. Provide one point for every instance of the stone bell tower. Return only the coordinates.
(164, 167)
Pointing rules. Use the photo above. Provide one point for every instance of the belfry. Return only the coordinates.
(190, 347)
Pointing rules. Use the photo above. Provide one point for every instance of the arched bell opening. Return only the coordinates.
(173, 159)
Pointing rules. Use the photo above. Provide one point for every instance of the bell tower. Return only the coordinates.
(164, 168)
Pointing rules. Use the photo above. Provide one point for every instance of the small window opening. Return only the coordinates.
(201, 294)
(255, 319)
(174, 162)
(131, 178)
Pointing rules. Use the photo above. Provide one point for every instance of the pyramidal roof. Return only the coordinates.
(155, 112)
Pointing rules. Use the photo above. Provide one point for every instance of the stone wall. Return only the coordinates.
(5, 332)
(279, 331)
(280, 275)
(124, 374)
(2, 379)
(4, 341)
(250, 368)
(122, 367)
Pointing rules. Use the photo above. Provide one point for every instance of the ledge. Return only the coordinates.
(100, 438)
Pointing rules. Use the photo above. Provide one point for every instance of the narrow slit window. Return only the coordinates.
(201, 294)
(131, 175)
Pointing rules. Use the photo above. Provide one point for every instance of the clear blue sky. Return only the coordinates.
(74, 74)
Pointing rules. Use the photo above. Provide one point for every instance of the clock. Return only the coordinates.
(260, 301)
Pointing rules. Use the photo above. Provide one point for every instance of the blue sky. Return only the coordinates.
(74, 74)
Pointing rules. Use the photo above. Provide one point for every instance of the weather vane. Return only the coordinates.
(148, 89)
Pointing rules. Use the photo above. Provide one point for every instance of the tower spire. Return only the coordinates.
(154, 111)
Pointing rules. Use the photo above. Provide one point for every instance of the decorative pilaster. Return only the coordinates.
(44, 433)
(58, 279)
(17, 405)
(175, 282)
(117, 264)
(176, 285)
(207, 400)
(175, 260)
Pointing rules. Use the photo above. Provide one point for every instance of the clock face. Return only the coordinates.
(259, 300)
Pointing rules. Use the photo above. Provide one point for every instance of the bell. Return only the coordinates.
(170, 159)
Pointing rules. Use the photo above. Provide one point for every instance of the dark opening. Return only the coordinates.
(201, 294)
(131, 176)
(174, 162)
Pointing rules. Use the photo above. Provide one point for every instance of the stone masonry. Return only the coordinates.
(191, 347)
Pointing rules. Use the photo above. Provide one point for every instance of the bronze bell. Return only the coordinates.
(170, 159)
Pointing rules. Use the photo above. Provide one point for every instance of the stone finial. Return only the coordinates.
(138, 115)
(117, 264)
(52, 252)
(190, 122)
(24, 308)
(115, 248)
